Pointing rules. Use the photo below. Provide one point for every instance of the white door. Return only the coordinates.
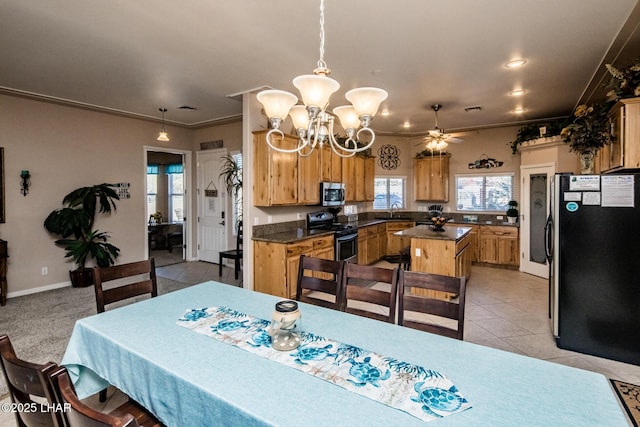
(212, 203)
(535, 191)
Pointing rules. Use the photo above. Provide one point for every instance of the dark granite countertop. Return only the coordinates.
(301, 233)
(451, 232)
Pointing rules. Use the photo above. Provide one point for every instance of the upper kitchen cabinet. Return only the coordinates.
(624, 150)
(358, 173)
(331, 165)
(431, 178)
(284, 178)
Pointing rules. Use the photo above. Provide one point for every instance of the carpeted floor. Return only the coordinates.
(629, 395)
(42, 338)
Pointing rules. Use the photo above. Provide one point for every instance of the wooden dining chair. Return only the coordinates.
(370, 291)
(78, 414)
(133, 279)
(320, 282)
(234, 254)
(24, 381)
(430, 313)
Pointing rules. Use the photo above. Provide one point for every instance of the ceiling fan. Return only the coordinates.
(437, 138)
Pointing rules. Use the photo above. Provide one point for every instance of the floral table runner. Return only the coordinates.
(423, 393)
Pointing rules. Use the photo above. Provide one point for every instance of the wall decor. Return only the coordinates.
(122, 189)
(211, 145)
(25, 183)
(388, 157)
(485, 162)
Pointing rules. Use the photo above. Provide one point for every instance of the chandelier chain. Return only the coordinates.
(321, 63)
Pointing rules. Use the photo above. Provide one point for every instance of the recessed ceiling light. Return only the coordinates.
(517, 92)
(384, 112)
(519, 110)
(515, 63)
(406, 125)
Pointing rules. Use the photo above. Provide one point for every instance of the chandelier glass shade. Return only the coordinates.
(313, 123)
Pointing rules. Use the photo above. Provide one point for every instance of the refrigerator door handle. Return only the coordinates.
(548, 242)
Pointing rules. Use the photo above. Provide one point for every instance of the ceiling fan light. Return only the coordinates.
(366, 100)
(316, 89)
(276, 103)
(348, 117)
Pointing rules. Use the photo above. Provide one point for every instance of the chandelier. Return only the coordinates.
(312, 121)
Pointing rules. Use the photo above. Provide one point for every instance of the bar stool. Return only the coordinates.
(405, 258)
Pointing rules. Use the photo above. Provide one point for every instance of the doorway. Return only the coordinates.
(536, 182)
(166, 207)
(212, 206)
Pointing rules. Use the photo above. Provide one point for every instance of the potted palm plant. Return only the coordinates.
(74, 223)
(231, 172)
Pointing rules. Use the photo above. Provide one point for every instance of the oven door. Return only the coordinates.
(347, 248)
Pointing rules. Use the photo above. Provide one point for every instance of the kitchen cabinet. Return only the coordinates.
(275, 174)
(431, 178)
(395, 243)
(498, 245)
(284, 178)
(372, 243)
(309, 179)
(473, 242)
(358, 174)
(277, 264)
(331, 165)
(624, 150)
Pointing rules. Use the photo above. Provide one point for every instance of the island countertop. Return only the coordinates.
(451, 232)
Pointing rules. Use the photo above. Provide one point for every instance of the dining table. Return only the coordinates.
(190, 379)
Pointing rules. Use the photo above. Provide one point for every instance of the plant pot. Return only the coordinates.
(81, 278)
(512, 219)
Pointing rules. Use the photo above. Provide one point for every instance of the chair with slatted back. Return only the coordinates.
(234, 254)
(370, 291)
(129, 280)
(430, 313)
(26, 380)
(320, 282)
(78, 414)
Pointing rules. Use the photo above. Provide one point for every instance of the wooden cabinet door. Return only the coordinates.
(336, 167)
(463, 262)
(359, 178)
(395, 243)
(488, 249)
(292, 263)
(275, 174)
(326, 162)
(431, 178)
(363, 240)
(369, 178)
(473, 250)
(309, 179)
(349, 178)
(508, 251)
(323, 248)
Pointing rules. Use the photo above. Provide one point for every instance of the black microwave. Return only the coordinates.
(332, 193)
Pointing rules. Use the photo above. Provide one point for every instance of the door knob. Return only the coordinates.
(222, 223)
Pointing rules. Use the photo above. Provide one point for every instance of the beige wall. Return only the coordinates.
(65, 148)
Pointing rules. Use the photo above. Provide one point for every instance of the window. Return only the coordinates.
(152, 189)
(388, 193)
(176, 196)
(237, 197)
(488, 192)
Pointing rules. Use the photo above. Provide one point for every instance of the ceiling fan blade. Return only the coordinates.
(454, 140)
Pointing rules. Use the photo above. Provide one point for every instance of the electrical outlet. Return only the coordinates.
(269, 219)
(418, 251)
(300, 216)
(256, 220)
(45, 271)
(499, 217)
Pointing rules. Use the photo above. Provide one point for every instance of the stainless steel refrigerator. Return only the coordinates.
(593, 246)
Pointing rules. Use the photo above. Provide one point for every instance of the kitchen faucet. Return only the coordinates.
(395, 205)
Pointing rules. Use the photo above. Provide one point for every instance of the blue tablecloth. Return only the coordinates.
(189, 379)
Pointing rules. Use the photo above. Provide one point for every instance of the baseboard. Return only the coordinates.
(37, 290)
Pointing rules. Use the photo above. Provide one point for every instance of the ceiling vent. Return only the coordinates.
(187, 107)
(475, 108)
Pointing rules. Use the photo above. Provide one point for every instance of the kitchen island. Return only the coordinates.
(444, 252)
